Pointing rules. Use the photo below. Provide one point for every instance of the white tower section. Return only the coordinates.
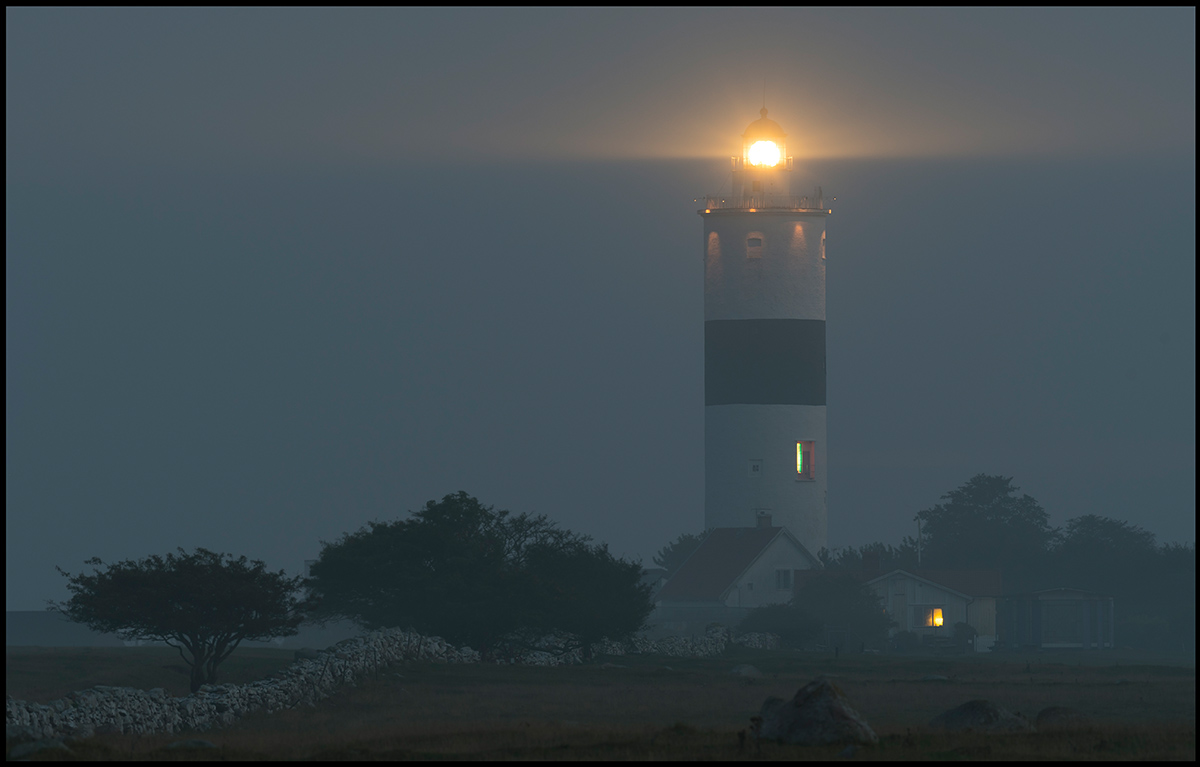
(764, 346)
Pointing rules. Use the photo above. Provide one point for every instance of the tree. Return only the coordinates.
(886, 556)
(671, 556)
(586, 591)
(1091, 545)
(840, 600)
(203, 604)
(985, 524)
(476, 575)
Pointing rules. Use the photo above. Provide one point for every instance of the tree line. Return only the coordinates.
(987, 524)
(489, 578)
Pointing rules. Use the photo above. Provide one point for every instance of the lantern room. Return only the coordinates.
(764, 169)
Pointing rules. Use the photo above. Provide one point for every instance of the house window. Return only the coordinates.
(750, 586)
(783, 580)
(927, 617)
(756, 467)
(805, 450)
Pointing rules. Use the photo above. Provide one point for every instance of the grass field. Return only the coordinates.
(651, 708)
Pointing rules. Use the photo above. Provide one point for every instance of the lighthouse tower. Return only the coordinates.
(764, 346)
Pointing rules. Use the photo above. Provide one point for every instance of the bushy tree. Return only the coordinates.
(839, 600)
(475, 575)
(586, 591)
(1091, 545)
(203, 604)
(675, 553)
(985, 524)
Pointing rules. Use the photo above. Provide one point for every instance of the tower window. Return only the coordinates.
(756, 467)
(754, 245)
(805, 453)
(822, 245)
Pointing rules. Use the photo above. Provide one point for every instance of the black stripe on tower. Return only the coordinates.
(764, 362)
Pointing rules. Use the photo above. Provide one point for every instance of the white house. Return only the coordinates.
(734, 570)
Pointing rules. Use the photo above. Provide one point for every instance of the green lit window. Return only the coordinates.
(805, 452)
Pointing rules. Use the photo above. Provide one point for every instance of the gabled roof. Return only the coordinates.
(967, 583)
(720, 559)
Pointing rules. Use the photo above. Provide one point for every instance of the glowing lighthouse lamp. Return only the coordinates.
(763, 153)
(761, 175)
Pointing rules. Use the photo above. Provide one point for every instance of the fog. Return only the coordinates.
(272, 275)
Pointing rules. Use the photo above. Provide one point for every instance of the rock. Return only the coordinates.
(818, 715)
(612, 665)
(746, 670)
(980, 716)
(1060, 718)
(22, 750)
(935, 678)
(848, 752)
(306, 653)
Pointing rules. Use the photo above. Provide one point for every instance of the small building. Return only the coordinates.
(734, 570)
(1062, 618)
(929, 602)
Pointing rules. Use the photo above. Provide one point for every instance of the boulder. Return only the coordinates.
(980, 716)
(306, 653)
(746, 670)
(1060, 718)
(818, 715)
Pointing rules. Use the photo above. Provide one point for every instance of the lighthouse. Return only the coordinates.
(764, 346)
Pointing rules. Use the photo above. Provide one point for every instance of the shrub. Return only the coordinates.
(792, 625)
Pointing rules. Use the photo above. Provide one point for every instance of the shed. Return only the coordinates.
(1060, 618)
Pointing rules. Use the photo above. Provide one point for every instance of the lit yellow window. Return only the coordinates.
(932, 616)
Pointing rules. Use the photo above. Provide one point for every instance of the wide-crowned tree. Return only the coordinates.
(985, 524)
(203, 604)
(475, 575)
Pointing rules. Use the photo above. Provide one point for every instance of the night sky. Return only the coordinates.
(273, 274)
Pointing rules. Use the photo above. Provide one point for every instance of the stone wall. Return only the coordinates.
(128, 710)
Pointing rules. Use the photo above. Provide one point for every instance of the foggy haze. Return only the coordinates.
(271, 275)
